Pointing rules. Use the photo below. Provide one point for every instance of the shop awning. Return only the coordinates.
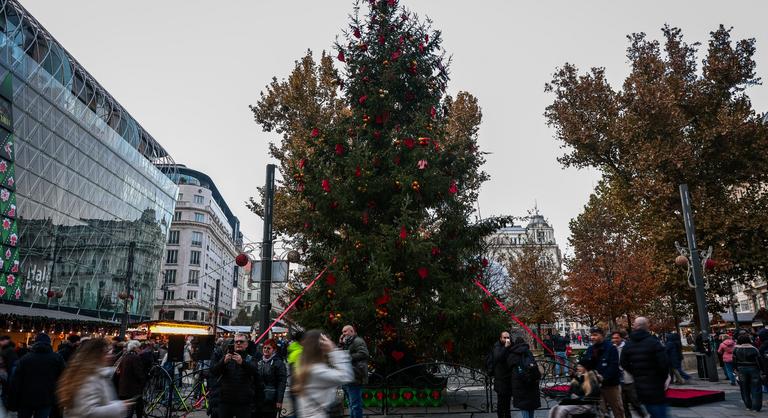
(6, 309)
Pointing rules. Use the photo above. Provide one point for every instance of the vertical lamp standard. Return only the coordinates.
(698, 281)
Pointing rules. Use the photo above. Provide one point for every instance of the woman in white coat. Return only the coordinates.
(322, 369)
(85, 388)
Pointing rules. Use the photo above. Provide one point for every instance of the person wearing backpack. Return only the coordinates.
(748, 365)
(525, 378)
(502, 372)
(603, 358)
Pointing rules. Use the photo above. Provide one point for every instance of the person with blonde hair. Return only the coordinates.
(322, 368)
(583, 395)
(85, 388)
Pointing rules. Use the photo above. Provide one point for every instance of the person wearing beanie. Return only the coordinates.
(33, 384)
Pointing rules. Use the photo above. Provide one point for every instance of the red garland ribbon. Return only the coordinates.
(515, 318)
(291, 305)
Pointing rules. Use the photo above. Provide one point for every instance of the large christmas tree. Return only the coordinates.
(381, 171)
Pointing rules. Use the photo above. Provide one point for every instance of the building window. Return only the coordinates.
(194, 276)
(173, 237)
(170, 276)
(168, 295)
(197, 239)
(172, 257)
(194, 258)
(248, 297)
(191, 294)
(190, 315)
(170, 315)
(198, 199)
(177, 216)
(199, 217)
(181, 197)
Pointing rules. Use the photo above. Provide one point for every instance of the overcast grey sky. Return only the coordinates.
(188, 69)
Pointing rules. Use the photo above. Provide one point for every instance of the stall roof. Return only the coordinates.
(235, 328)
(49, 313)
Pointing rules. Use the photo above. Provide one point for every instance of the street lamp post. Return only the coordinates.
(266, 250)
(698, 279)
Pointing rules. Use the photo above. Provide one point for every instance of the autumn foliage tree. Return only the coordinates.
(380, 170)
(611, 273)
(674, 121)
(534, 290)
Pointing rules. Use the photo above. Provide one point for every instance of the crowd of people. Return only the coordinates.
(97, 378)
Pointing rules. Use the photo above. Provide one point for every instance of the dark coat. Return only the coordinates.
(132, 376)
(674, 349)
(33, 384)
(358, 352)
(66, 349)
(745, 355)
(645, 358)
(559, 343)
(9, 356)
(237, 380)
(525, 395)
(604, 359)
(273, 375)
(502, 371)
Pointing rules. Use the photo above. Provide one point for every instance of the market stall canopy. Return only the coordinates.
(17, 310)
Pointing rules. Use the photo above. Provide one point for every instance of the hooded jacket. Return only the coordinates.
(674, 349)
(726, 349)
(646, 359)
(606, 362)
(525, 395)
(33, 384)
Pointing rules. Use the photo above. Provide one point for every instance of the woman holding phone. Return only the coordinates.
(322, 369)
(85, 388)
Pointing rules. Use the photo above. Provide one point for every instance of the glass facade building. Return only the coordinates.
(84, 206)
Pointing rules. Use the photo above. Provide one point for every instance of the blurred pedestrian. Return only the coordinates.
(85, 388)
(502, 372)
(133, 376)
(603, 358)
(33, 383)
(294, 353)
(322, 369)
(583, 394)
(674, 350)
(726, 351)
(628, 392)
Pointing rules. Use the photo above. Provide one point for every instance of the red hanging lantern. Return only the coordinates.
(710, 264)
(241, 260)
(50, 294)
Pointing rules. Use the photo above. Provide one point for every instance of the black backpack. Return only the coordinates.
(527, 370)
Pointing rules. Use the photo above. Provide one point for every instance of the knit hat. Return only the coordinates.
(43, 338)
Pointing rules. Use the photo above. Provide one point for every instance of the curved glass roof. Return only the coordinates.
(26, 33)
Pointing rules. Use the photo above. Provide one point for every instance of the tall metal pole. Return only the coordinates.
(266, 250)
(128, 277)
(216, 308)
(698, 279)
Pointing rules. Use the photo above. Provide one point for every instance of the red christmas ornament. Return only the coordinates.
(300, 187)
(363, 47)
(448, 346)
(341, 56)
(395, 55)
(302, 163)
(426, 38)
(396, 160)
(453, 189)
(398, 355)
(326, 185)
(382, 118)
(423, 272)
(391, 3)
(376, 135)
(403, 233)
(486, 306)
(241, 260)
(334, 205)
(330, 279)
(421, 47)
(435, 251)
(356, 33)
(710, 264)
(362, 99)
(432, 112)
(409, 143)
(358, 171)
(384, 299)
(50, 294)
(381, 40)
(484, 262)
(401, 40)
(315, 132)
(365, 218)
(339, 149)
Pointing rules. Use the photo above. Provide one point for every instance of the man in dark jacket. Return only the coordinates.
(33, 385)
(645, 358)
(559, 346)
(603, 357)
(133, 375)
(358, 352)
(674, 350)
(525, 383)
(68, 347)
(237, 372)
(502, 373)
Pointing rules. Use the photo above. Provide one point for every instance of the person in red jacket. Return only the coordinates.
(726, 350)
